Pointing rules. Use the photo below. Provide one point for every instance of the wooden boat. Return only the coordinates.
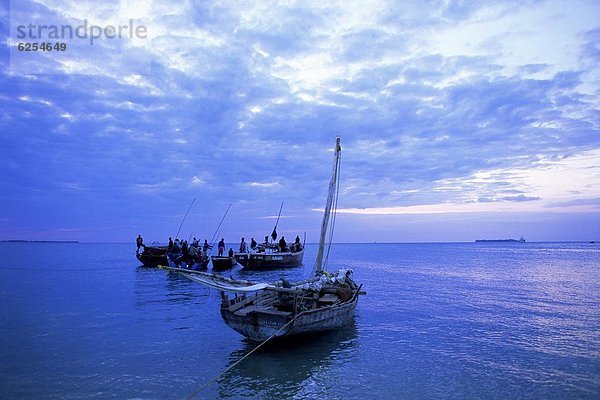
(153, 256)
(197, 264)
(325, 301)
(194, 258)
(270, 259)
(279, 312)
(221, 263)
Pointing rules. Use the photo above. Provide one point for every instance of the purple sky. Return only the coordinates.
(459, 120)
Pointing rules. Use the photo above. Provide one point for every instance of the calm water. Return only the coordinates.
(457, 321)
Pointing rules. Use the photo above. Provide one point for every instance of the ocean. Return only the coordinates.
(439, 321)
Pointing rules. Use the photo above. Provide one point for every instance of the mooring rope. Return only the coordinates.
(192, 395)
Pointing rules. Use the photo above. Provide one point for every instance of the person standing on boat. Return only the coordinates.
(206, 246)
(230, 253)
(221, 247)
(243, 246)
(253, 244)
(170, 246)
(282, 244)
(184, 247)
(192, 253)
(140, 242)
(297, 246)
(184, 251)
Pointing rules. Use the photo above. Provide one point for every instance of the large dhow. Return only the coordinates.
(325, 301)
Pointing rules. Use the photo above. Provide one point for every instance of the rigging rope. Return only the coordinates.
(193, 394)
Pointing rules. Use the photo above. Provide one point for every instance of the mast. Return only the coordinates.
(330, 199)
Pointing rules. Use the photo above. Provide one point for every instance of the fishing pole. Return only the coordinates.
(184, 217)
(212, 241)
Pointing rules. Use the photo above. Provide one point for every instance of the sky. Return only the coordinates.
(459, 120)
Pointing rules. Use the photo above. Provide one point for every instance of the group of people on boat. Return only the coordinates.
(254, 246)
(180, 251)
(281, 246)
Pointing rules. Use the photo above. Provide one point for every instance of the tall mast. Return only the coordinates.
(330, 198)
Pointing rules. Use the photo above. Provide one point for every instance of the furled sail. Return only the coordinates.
(331, 204)
(222, 283)
(226, 287)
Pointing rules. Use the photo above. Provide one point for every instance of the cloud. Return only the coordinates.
(446, 106)
(595, 203)
(264, 185)
(520, 198)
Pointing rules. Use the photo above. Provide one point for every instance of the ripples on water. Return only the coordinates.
(439, 321)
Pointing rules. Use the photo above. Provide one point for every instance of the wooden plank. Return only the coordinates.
(329, 298)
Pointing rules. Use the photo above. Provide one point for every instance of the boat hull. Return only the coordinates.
(259, 326)
(196, 265)
(259, 261)
(153, 256)
(222, 263)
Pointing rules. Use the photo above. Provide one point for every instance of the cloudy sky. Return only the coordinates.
(459, 120)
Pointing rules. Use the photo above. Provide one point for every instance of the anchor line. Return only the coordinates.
(192, 395)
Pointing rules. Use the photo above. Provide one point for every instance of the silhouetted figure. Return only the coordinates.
(282, 244)
(297, 246)
(243, 246)
(139, 242)
(170, 246)
(230, 253)
(253, 244)
(221, 247)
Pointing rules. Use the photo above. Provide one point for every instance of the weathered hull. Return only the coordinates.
(222, 263)
(153, 256)
(258, 326)
(270, 260)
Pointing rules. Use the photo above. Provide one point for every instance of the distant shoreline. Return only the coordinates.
(334, 243)
(39, 241)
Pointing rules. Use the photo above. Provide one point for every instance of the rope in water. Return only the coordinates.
(192, 395)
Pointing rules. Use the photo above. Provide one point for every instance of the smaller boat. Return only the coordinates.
(153, 256)
(270, 259)
(221, 263)
(271, 255)
(199, 263)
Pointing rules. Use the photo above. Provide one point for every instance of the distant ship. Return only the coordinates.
(520, 240)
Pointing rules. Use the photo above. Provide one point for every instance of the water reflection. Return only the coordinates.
(156, 286)
(287, 368)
